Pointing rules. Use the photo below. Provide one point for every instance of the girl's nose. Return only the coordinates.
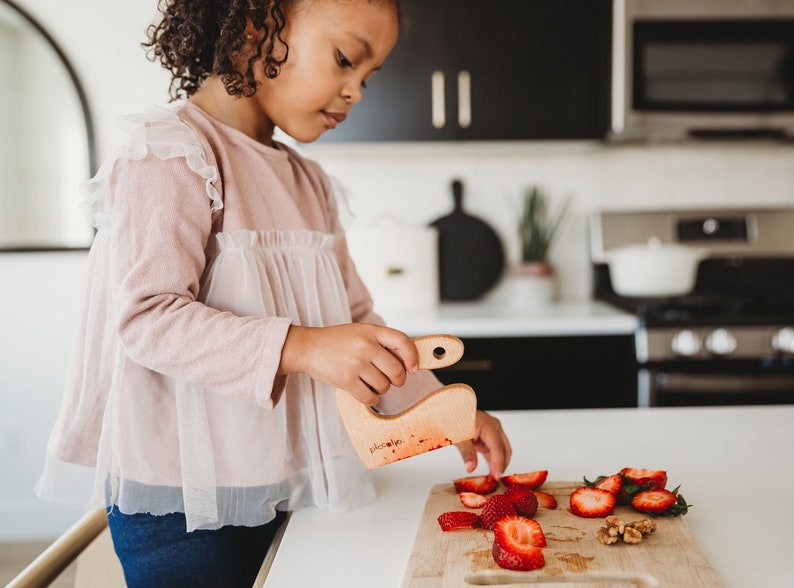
(352, 91)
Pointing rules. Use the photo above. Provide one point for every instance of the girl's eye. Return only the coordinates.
(343, 61)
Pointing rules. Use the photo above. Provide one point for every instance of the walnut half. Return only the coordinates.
(644, 526)
(632, 532)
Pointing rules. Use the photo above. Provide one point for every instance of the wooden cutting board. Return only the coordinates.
(669, 557)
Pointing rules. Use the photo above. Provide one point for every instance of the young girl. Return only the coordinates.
(222, 306)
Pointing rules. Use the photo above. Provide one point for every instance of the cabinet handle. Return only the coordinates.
(464, 99)
(438, 113)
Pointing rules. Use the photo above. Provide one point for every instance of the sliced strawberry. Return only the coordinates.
(637, 479)
(472, 499)
(477, 484)
(612, 484)
(545, 499)
(653, 501)
(517, 544)
(530, 479)
(515, 531)
(530, 558)
(497, 507)
(526, 505)
(643, 476)
(458, 519)
(660, 502)
(592, 502)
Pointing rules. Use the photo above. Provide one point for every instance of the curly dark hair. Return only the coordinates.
(196, 38)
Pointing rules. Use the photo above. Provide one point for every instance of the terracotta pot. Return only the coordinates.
(532, 269)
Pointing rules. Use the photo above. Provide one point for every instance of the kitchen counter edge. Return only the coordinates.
(493, 319)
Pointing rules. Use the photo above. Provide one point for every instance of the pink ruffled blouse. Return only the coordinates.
(209, 246)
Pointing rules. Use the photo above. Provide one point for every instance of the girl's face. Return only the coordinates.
(334, 47)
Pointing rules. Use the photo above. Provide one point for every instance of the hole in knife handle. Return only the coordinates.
(595, 579)
(439, 352)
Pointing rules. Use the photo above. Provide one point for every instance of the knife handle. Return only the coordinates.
(438, 351)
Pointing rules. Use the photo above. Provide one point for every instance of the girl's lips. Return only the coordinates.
(334, 118)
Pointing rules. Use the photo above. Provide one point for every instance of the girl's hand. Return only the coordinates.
(363, 359)
(490, 440)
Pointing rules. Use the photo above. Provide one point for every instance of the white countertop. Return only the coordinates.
(734, 465)
(493, 318)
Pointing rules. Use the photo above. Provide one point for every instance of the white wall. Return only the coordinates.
(39, 293)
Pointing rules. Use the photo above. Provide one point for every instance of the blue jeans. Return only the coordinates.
(157, 551)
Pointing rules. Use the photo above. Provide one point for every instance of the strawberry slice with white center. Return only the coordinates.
(478, 484)
(653, 501)
(472, 499)
(545, 499)
(644, 476)
(589, 502)
(518, 543)
(612, 484)
(531, 480)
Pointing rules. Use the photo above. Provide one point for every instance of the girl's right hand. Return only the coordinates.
(363, 359)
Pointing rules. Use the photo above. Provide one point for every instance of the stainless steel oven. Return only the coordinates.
(707, 365)
(712, 68)
(731, 339)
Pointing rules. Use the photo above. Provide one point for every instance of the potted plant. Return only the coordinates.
(537, 229)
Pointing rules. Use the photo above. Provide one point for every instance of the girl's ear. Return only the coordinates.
(252, 35)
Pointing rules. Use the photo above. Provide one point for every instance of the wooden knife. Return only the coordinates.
(444, 417)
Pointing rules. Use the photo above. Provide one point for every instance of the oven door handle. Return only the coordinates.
(722, 383)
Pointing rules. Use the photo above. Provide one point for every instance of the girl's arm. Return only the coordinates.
(158, 231)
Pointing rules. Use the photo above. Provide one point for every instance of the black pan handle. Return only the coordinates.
(457, 194)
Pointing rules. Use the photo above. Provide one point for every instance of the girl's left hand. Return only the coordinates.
(491, 441)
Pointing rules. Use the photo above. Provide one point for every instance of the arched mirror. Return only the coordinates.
(46, 140)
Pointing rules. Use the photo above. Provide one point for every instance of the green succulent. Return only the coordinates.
(536, 226)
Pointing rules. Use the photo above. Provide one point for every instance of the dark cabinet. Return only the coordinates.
(503, 70)
(591, 371)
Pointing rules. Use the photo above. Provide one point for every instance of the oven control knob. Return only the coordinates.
(686, 343)
(783, 341)
(721, 342)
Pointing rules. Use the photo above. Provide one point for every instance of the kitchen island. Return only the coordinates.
(733, 464)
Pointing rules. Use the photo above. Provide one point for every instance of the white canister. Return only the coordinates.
(398, 262)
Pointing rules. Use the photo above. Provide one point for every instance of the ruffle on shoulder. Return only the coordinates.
(160, 130)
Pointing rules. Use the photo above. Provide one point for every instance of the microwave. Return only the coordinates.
(685, 69)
